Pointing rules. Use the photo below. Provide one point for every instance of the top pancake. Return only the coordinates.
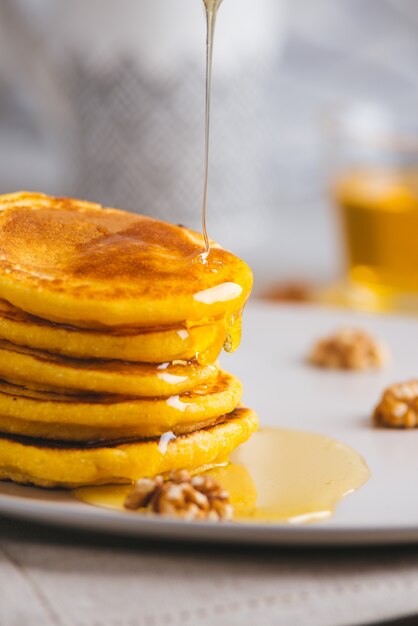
(75, 262)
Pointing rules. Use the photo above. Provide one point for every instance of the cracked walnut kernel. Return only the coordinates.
(348, 349)
(398, 407)
(181, 495)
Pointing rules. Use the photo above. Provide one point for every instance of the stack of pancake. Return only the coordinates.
(110, 327)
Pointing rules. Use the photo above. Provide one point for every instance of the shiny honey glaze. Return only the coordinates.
(201, 341)
(72, 262)
(277, 476)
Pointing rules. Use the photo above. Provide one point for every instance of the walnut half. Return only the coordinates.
(349, 349)
(181, 495)
(398, 407)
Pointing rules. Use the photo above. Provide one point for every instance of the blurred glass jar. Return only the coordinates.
(119, 87)
(374, 165)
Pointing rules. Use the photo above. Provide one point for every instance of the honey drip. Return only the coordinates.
(277, 476)
(211, 7)
(234, 331)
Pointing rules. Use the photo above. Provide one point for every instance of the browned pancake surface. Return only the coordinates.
(68, 250)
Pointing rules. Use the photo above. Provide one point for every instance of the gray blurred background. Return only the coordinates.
(103, 99)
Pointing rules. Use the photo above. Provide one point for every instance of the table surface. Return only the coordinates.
(50, 577)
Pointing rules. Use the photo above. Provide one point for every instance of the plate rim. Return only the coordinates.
(83, 517)
(75, 515)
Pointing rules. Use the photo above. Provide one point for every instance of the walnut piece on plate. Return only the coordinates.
(181, 495)
(349, 349)
(398, 407)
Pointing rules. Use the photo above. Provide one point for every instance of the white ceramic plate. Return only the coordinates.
(288, 393)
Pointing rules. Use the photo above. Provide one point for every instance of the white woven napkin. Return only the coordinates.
(54, 579)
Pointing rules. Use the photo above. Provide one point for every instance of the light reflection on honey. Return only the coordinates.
(277, 476)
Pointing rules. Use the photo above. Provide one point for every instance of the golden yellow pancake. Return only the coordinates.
(75, 262)
(86, 417)
(85, 434)
(58, 465)
(34, 367)
(128, 344)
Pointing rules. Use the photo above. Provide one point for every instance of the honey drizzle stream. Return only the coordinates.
(211, 9)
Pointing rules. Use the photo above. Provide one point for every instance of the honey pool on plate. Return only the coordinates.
(277, 476)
